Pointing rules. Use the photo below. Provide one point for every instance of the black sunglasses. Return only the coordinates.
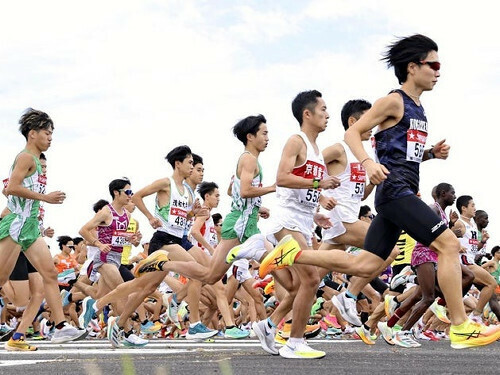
(435, 65)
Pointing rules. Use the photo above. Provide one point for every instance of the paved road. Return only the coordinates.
(245, 357)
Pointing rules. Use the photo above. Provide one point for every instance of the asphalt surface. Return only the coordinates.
(246, 357)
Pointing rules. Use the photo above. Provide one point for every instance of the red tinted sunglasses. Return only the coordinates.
(435, 65)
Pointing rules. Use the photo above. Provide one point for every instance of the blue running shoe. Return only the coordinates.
(87, 312)
(200, 332)
(236, 333)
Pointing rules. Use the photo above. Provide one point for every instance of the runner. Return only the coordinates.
(19, 230)
(400, 148)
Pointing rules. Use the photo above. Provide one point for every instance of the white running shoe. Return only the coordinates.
(405, 339)
(386, 332)
(301, 351)
(114, 332)
(347, 308)
(265, 336)
(248, 249)
(390, 305)
(68, 333)
(134, 341)
(401, 278)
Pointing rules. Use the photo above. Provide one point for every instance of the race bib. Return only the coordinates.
(120, 238)
(357, 180)
(415, 143)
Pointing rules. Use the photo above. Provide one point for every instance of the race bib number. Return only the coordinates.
(42, 183)
(310, 198)
(357, 180)
(415, 143)
(120, 238)
(178, 217)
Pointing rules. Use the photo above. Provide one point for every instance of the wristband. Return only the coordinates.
(365, 159)
(316, 183)
(430, 154)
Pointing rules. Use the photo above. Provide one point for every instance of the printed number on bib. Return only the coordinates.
(120, 239)
(312, 196)
(415, 144)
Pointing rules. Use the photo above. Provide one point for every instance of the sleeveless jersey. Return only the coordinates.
(23, 207)
(174, 216)
(352, 183)
(127, 249)
(208, 233)
(245, 205)
(470, 239)
(115, 234)
(304, 200)
(400, 149)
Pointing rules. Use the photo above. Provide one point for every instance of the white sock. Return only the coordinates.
(191, 325)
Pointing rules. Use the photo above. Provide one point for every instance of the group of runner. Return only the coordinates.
(193, 265)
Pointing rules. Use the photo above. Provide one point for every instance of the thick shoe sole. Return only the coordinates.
(289, 354)
(200, 336)
(62, 340)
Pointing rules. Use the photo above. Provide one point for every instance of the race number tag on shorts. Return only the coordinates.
(416, 136)
(357, 180)
(120, 238)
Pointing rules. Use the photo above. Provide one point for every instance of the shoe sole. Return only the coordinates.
(14, 349)
(145, 262)
(262, 338)
(62, 340)
(201, 336)
(287, 354)
(363, 338)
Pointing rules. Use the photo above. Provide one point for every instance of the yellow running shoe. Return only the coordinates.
(364, 335)
(282, 256)
(269, 287)
(470, 334)
(19, 345)
(151, 263)
(440, 312)
(279, 339)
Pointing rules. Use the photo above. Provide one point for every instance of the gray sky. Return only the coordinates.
(125, 82)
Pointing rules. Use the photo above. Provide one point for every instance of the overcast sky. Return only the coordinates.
(125, 82)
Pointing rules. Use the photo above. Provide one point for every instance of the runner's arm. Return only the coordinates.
(248, 166)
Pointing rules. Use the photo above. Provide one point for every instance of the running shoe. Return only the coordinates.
(236, 333)
(19, 346)
(281, 256)
(427, 335)
(88, 312)
(347, 308)
(331, 320)
(5, 332)
(390, 305)
(312, 330)
(401, 278)
(405, 339)
(261, 283)
(65, 297)
(200, 332)
(278, 339)
(332, 331)
(470, 334)
(247, 250)
(266, 336)
(134, 341)
(151, 263)
(150, 328)
(269, 289)
(440, 312)
(318, 305)
(68, 333)
(114, 332)
(364, 335)
(182, 312)
(172, 309)
(386, 332)
(94, 325)
(300, 351)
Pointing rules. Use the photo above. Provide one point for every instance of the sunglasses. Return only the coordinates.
(372, 216)
(128, 192)
(71, 246)
(435, 65)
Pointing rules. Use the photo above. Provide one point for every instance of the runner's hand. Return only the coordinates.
(56, 197)
(376, 172)
(328, 203)
(322, 220)
(441, 150)
(155, 222)
(105, 248)
(329, 182)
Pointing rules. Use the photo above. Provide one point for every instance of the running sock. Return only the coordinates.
(127, 334)
(366, 327)
(441, 302)
(61, 325)
(17, 336)
(191, 325)
(364, 316)
(293, 341)
(350, 295)
(144, 322)
(229, 327)
(398, 314)
(270, 323)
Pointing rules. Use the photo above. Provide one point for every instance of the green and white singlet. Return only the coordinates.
(22, 223)
(241, 222)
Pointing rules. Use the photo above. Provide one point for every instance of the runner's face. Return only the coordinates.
(450, 197)
(212, 199)
(427, 77)
(261, 138)
(320, 116)
(123, 198)
(43, 163)
(470, 210)
(197, 175)
(66, 249)
(42, 138)
(186, 167)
